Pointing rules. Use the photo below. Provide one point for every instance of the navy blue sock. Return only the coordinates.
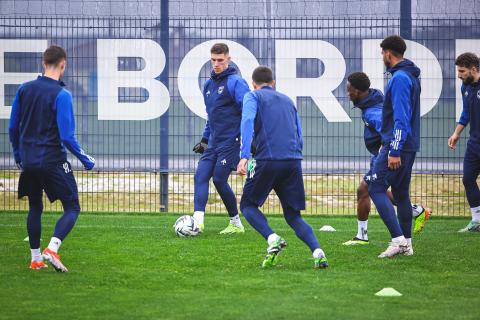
(34, 221)
(202, 177)
(302, 229)
(257, 220)
(387, 212)
(220, 180)
(71, 210)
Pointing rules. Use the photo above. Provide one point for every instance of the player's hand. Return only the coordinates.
(201, 146)
(452, 141)
(242, 167)
(394, 162)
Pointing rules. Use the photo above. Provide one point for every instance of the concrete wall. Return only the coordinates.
(243, 8)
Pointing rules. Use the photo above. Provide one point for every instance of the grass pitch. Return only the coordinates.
(133, 267)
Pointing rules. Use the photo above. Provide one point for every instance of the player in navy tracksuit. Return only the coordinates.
(41, 127)
(271, 118)
(223, 95)
(468, 71)
(400, 142)
(370, 102)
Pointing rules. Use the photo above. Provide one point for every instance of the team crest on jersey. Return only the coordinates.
(220, 89)
(478, 94)
(466, 93)
(208, 93)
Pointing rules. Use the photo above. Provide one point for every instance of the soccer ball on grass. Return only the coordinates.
(186, 226)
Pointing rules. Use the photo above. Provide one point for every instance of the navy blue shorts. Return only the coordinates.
(369, 173)
(57, 180)
(471, 159)
(381, 177)
(285, 177)
(223, 156)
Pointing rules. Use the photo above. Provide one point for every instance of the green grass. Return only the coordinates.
(133, 267)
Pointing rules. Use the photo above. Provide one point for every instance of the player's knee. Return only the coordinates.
(291, 219)
(375, 188)
(244, 204)
(219, 180)
(71, 207)
(36, 204)
(362, 190)
(400, 194)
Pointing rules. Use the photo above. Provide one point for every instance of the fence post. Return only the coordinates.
(406, 19)
(164, 145)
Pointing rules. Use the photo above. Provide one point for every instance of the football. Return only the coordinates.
(186, 226)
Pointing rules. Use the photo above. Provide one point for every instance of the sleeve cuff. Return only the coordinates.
(16, 156)
(394, 153)
(244, 156)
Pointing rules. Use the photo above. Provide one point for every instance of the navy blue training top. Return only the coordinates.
(471, 110)
(272, 119)
(223, 95)
(401, 109)
(371, 107)
(42, 125)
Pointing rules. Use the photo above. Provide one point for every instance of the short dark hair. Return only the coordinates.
(262, 74)
(54, 55)
(219, 48)
(359, 80)
(395, 44)
(467, 60)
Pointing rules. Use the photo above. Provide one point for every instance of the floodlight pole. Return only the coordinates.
(164, 39)
(406, 19)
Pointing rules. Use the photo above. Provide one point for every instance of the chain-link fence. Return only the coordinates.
(136, 87)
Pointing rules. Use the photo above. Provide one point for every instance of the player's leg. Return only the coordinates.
(471, 170)
(30, 185)
(363, 211)
(256, 218)
(71, 210)
(377, 189)
(220, 180)
(34, 227)
(401, 192)
(259, 222)
(204, 172)
(60, 185)
(227, 162)
(291, 192)
(305, 233)
(420, 213)
(258, 185)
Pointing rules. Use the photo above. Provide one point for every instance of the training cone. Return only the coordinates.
(327, 228)
(388, 292)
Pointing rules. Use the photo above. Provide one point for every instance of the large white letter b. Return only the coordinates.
(110, 79)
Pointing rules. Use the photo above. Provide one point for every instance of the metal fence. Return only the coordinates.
(140, 114)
